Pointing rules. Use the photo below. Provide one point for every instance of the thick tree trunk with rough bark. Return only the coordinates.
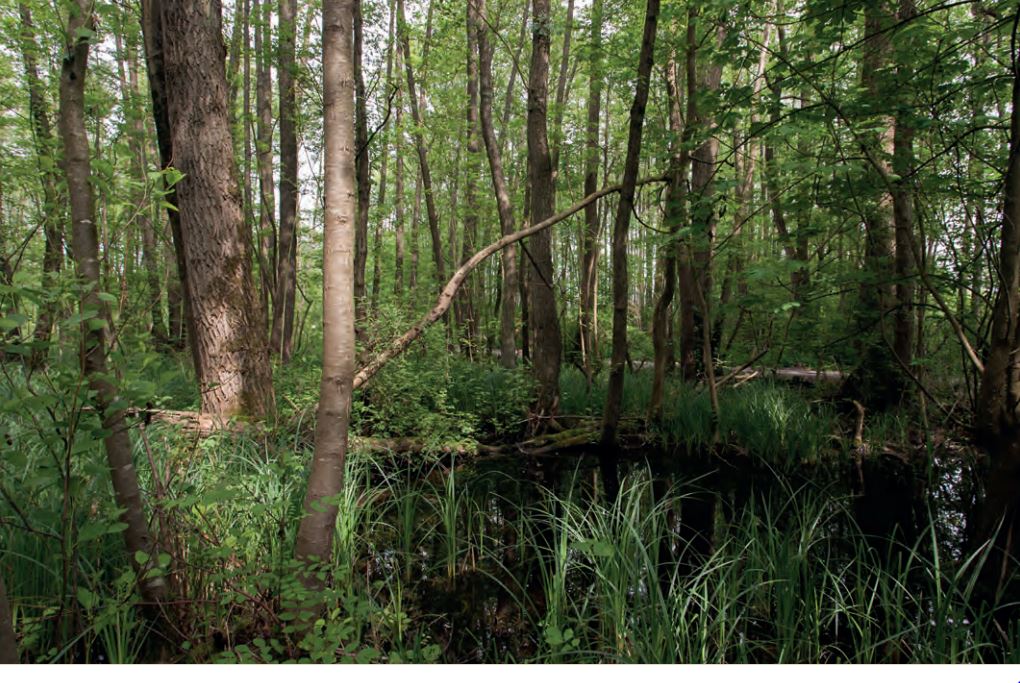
(228, 344)
(181, 322)
(281, 340)
(315, 533)
(542, 314)
(95, 337)
(508, 260)
(621, 227)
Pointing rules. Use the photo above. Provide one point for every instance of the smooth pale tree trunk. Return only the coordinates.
(264, 151)
(424, 169)
(621, 227)
(281, 340)
(228, 344)
(542, 315)
(95, 329)
(49, 175)
(587, 334)
(675, 218)
(508, 257)
(361, 170)
(315, 533)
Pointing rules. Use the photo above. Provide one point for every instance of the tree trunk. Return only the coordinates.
(903, 215)
(621, 226)
(542, 317)
(508, 288)
(587, 334)
(384, 153)
(398, 191)
(281, 341)
(878, 381)
(315, 533)
(49, 174)
(264, 152)
(696, 279)
(130, 97)
(228, 343)
(181, 320)
(361, 169)
(419, 141)
(675, 218)
(561, 90)
(997, 420)
(469, 319)
(95, 337)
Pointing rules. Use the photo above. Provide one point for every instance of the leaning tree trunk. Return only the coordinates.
(315, 533)
(542, 315)
(228, 344)
(286, 265)
(508, 288)
(95, 328)
(621, 225)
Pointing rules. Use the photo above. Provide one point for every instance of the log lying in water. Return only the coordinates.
(805, 375)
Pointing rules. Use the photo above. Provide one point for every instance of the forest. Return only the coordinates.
(509, 331)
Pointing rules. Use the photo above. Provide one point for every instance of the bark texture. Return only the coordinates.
(315, 533)
(281, 341)
(49, 175)
(587, 334)
(543, 319)
(508, 258)
(95, 328)
(228, 343)
(8, 641)
(621, 227)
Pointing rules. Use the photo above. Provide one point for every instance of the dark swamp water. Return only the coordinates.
(520, 558)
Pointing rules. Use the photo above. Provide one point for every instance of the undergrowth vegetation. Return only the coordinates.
(456, 558)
